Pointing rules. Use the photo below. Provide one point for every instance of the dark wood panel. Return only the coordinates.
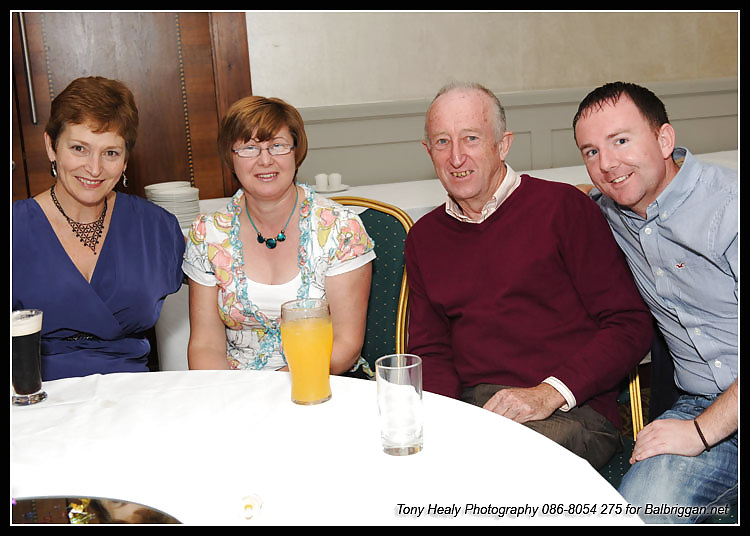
(19, 186)
(232, 68)
(36, 165)
(200, 102)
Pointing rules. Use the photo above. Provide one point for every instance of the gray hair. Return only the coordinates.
(499, 110)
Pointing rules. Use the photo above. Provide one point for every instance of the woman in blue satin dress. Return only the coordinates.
(97, 262)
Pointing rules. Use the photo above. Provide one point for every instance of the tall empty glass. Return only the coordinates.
(399, 382)
(307, 338)
(26, 365)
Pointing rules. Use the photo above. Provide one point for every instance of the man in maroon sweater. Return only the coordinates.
(521, 301)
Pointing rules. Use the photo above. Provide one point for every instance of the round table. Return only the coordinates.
(194, 443)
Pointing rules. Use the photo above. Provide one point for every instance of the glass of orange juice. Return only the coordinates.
(307, 339)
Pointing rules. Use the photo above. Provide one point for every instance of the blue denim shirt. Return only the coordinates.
(684, 258)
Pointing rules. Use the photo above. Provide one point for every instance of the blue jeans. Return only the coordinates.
(683, 489)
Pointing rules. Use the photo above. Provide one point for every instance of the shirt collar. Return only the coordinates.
(676, 191)
(681, 184)
(509, 183)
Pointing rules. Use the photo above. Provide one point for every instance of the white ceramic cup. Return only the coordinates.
(321, 181)
(334, 180)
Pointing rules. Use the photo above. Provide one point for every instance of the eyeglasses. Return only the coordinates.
(253, 151)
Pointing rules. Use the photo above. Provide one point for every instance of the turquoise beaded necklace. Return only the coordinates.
(271, 242)
(271, 340)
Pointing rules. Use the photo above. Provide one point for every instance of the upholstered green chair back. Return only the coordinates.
(386, 311)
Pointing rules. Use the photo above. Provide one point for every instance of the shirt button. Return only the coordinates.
(659, 272)
(717, 363)
(647, 230)
(697, 331)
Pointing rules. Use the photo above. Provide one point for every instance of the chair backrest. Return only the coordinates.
(618, 465)
(173, 331)
(636, 409)
(389, 294)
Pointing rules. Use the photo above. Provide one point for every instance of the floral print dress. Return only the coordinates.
(332, 241)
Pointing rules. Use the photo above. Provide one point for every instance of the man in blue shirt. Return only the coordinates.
(676, 220)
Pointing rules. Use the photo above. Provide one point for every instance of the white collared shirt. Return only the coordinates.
(508, 185)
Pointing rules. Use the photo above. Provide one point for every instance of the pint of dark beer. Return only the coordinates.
(26, 360)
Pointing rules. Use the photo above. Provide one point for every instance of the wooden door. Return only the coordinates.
(184, 69)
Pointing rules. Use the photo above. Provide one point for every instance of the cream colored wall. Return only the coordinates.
(314, 59)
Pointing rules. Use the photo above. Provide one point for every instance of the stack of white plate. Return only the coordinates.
(178, 197)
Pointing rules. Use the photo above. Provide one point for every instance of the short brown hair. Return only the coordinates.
(106, 105)
(260, 118)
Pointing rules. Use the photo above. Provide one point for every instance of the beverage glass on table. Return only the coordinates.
(26, 361)
(399, 383)
(307, 339)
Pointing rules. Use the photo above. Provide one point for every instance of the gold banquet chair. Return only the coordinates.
(616, 468)
(636, 409)
(389, 294)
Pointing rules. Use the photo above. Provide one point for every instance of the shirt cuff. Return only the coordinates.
(339, 268)
(570, 400)
(207, 279)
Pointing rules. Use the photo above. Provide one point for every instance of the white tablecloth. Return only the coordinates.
(193, 444)
(417, 198)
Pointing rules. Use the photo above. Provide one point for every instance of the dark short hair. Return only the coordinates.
(262, 118)
(105, 105)
(650, 106)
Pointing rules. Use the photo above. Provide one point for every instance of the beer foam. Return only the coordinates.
(26, 323)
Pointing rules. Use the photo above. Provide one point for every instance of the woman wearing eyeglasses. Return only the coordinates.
(276, 241)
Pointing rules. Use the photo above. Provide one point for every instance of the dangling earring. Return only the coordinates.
(124, 181)
(53, 168)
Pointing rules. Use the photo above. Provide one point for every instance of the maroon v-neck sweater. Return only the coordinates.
(538, 289)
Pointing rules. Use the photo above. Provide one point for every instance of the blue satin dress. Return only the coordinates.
(98, 326)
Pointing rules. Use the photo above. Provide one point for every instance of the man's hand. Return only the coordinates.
(526, 404)
(675, 436)
(667, 436)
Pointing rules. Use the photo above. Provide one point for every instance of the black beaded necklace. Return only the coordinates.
(88, 233)
(271, 242)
